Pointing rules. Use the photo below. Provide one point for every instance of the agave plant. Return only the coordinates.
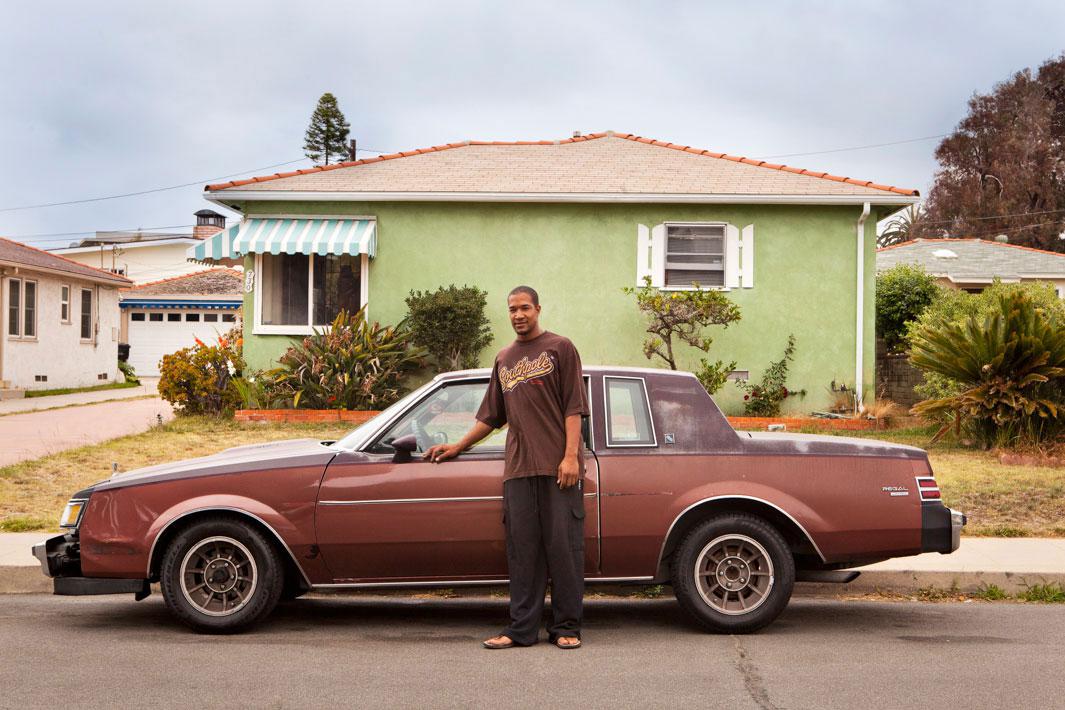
(1010, 366)
(354, 364)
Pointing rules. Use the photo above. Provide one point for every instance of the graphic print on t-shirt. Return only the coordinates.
(525, 370)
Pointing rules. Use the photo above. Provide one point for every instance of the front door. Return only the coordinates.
(381, 521)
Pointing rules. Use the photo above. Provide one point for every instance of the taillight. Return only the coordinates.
(928, 488)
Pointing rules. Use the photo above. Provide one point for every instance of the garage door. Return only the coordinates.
(155, 333)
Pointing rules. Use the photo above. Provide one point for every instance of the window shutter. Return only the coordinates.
(732, 256)
(747, 257)
(643, 254)
(658, 255)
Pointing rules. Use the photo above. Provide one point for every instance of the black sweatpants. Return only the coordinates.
(545, 538)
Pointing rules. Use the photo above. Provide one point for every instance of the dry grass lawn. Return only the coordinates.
(1006, 501)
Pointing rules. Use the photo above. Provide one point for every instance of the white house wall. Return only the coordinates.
(143, 264)
(58, 351)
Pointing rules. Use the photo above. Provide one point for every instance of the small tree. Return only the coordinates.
(450, 323)
(764, 399)
(903, 292)
(327, 136)
(683, 315)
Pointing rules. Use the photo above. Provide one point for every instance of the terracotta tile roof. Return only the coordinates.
(596, 163)
(210, 282)
(975, 259)
(20, 254)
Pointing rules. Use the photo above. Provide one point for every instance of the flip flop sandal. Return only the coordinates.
(567, 647)
(498, 646)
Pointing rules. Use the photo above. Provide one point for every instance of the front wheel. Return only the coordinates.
(733, 573)
(221, 576)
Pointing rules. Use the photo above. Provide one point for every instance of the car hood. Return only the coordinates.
(822, 445)
(239, 459)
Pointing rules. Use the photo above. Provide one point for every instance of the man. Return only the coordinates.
(538, 390)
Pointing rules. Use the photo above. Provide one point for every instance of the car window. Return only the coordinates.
(442, 418)
(628, 415)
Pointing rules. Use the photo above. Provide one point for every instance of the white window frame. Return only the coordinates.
(36, 309)
(262, 329)
(738, 257)
(20, 324)
(92, 313)
(67, 303)
(7, 309)
(724, 255)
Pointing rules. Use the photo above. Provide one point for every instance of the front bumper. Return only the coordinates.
(60, 559)
(941, 528)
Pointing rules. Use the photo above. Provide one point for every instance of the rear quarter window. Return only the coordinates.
(628, 414)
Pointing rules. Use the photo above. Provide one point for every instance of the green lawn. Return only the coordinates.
(1006, 501)
(72, 390)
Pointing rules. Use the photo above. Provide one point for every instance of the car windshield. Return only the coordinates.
(355, 436)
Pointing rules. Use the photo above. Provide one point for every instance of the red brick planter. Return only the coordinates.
(796, 423)
(304, 415)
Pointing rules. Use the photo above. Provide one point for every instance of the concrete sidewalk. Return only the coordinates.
(1012, 564)
(30, 435)
(148, 387)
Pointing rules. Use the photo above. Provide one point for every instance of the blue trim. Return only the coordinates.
(211, 305)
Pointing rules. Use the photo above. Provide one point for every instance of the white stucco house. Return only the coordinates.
(60, 321)
(144, 257)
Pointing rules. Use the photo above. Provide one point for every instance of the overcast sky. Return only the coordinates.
(101, 98)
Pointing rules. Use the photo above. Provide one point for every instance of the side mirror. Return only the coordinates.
(404, 446)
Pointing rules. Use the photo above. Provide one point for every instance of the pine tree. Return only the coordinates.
(327, 136)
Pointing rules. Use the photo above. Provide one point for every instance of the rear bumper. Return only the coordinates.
(941, 528)
(60, 559)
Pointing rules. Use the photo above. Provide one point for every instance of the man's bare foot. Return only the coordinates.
(498, 642)
(568, 642)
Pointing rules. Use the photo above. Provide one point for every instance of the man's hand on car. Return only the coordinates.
(442, 452)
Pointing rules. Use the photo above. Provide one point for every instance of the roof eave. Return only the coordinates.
(117, 282)
(236, 199)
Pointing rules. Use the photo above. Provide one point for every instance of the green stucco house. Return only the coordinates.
(578, 219)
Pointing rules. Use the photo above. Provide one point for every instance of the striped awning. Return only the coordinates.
(289, 236)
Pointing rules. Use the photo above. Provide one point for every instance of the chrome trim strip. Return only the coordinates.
(460, 583)
(151, 550)
(647, 405)
(387, 501)
(788, 515)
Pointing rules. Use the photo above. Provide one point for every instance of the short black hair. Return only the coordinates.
(528, 291)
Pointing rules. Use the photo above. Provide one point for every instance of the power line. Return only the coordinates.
(857, 147)
(994, 216)
(162, 189)
(78, 234)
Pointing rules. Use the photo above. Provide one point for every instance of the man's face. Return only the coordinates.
(523, 314)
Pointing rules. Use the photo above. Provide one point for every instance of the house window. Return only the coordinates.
(210, 317)
(297, 291)
(136, 316)
(695, 254)
(64, 303)
(155, 317)
(29, 309)
(86, 314)
(14, 307)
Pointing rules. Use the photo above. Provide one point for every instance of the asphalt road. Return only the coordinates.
(359, 652)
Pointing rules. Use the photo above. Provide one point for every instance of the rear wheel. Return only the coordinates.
(733, 573)
(221, 576)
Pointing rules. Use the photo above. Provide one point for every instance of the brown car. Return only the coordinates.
(673, 495)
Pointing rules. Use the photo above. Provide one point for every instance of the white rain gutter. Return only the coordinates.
(859, 338)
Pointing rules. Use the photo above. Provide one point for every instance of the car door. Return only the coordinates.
(379, 520)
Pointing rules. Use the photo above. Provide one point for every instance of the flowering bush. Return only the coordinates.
(764, 399)
(200, 379)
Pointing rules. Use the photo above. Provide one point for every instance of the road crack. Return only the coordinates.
(752, 680)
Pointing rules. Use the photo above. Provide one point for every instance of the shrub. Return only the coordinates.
(200, 379)
(764, 399)
(261, 391)
(352, 365)
(1010, 369)
(683, 315)
(128, 372)
(903, 292)
(450, 324)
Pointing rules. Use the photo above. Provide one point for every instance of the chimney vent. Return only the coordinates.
(576, 134)
(1002, 239)
(208, 224)
(352, 153)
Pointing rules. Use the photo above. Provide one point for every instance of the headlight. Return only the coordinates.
(72, 513)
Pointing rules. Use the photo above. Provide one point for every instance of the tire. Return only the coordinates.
(755, 574)
(244, 588)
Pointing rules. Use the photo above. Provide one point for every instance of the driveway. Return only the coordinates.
(111, 652)
(30, 435)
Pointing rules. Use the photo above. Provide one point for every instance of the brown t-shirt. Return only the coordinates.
(535, 385)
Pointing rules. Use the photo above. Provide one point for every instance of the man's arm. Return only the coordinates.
(569, 471)
(443, 452)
